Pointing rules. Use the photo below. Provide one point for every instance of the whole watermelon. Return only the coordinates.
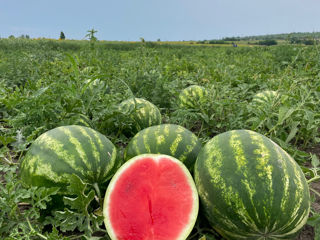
(265, 97)
(66, 150)
(192, 96)
(140, 113)
(250, 188)
(169, 139)
(77, 119)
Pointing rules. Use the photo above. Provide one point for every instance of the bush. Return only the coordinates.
(268, 42)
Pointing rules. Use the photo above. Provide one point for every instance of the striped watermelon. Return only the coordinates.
(151, 197)
(169, 139)
(250, 188)
(141, 112)
(266, 97)
(62, 151)
(192, 96)
(77, 119)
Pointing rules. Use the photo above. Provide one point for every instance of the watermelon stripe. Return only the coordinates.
(166, 139)
(191, 96)
(107, 168)
(56, 149)
(246, 172)
(68, 150)
(141, 112)
(77, 146)
(93, 153)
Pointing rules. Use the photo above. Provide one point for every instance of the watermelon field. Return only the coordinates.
(241, 126)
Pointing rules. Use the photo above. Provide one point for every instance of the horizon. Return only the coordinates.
(169, 20)
(183, 40)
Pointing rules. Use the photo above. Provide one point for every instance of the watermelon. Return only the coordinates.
(141, 113)
(192, 96)
(169, 139)
(82, 120)
(66, 150)
(151, 196)
(265, 97)
(77, 119)
(250, 188)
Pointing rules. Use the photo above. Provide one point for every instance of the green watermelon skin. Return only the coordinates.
(192, 96)
(77, 119)
(66, 150)
(250, 188)
(169, 139)
(265, 97)
(142, 112)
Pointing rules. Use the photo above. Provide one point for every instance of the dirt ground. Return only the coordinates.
(307, 232)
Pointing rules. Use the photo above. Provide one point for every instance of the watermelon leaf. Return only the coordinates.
(314, 221)
(314, 160)
(77, 187)
(78, 216)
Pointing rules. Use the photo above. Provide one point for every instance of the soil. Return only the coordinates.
(307, 233)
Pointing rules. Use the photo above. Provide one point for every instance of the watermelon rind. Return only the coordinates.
(265, 97)
(192, 96)
(250, 188)
(169, 139)
(126, 165)
(141, 113)
(66, 150)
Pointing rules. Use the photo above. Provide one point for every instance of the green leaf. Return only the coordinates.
(284, 113)
(6, 140)
(40, 92)
(293, 132)
(314, 160)
(82, 200)
(78, 216)
(207, 237)
(314, 221)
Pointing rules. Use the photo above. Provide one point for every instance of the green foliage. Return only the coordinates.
(47, 83)
(21, 207)
(78, 214)
(268, 42)
(91, 34)
(62, 36)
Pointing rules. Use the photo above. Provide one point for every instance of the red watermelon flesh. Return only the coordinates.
(151, 197)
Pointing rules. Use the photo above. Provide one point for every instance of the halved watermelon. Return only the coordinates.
(152, 196)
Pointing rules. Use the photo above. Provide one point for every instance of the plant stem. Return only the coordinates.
(316, 192)
(96, 187)
(313, 179)
(32, 230)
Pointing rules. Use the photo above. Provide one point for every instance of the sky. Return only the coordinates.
(167, 20)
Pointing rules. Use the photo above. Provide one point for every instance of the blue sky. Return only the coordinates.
(128, 20)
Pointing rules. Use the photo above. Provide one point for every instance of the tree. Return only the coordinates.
(142, 39)
(90, 34)
(62, 36)
(268, 42)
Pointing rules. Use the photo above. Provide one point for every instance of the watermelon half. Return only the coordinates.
(152, 196)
